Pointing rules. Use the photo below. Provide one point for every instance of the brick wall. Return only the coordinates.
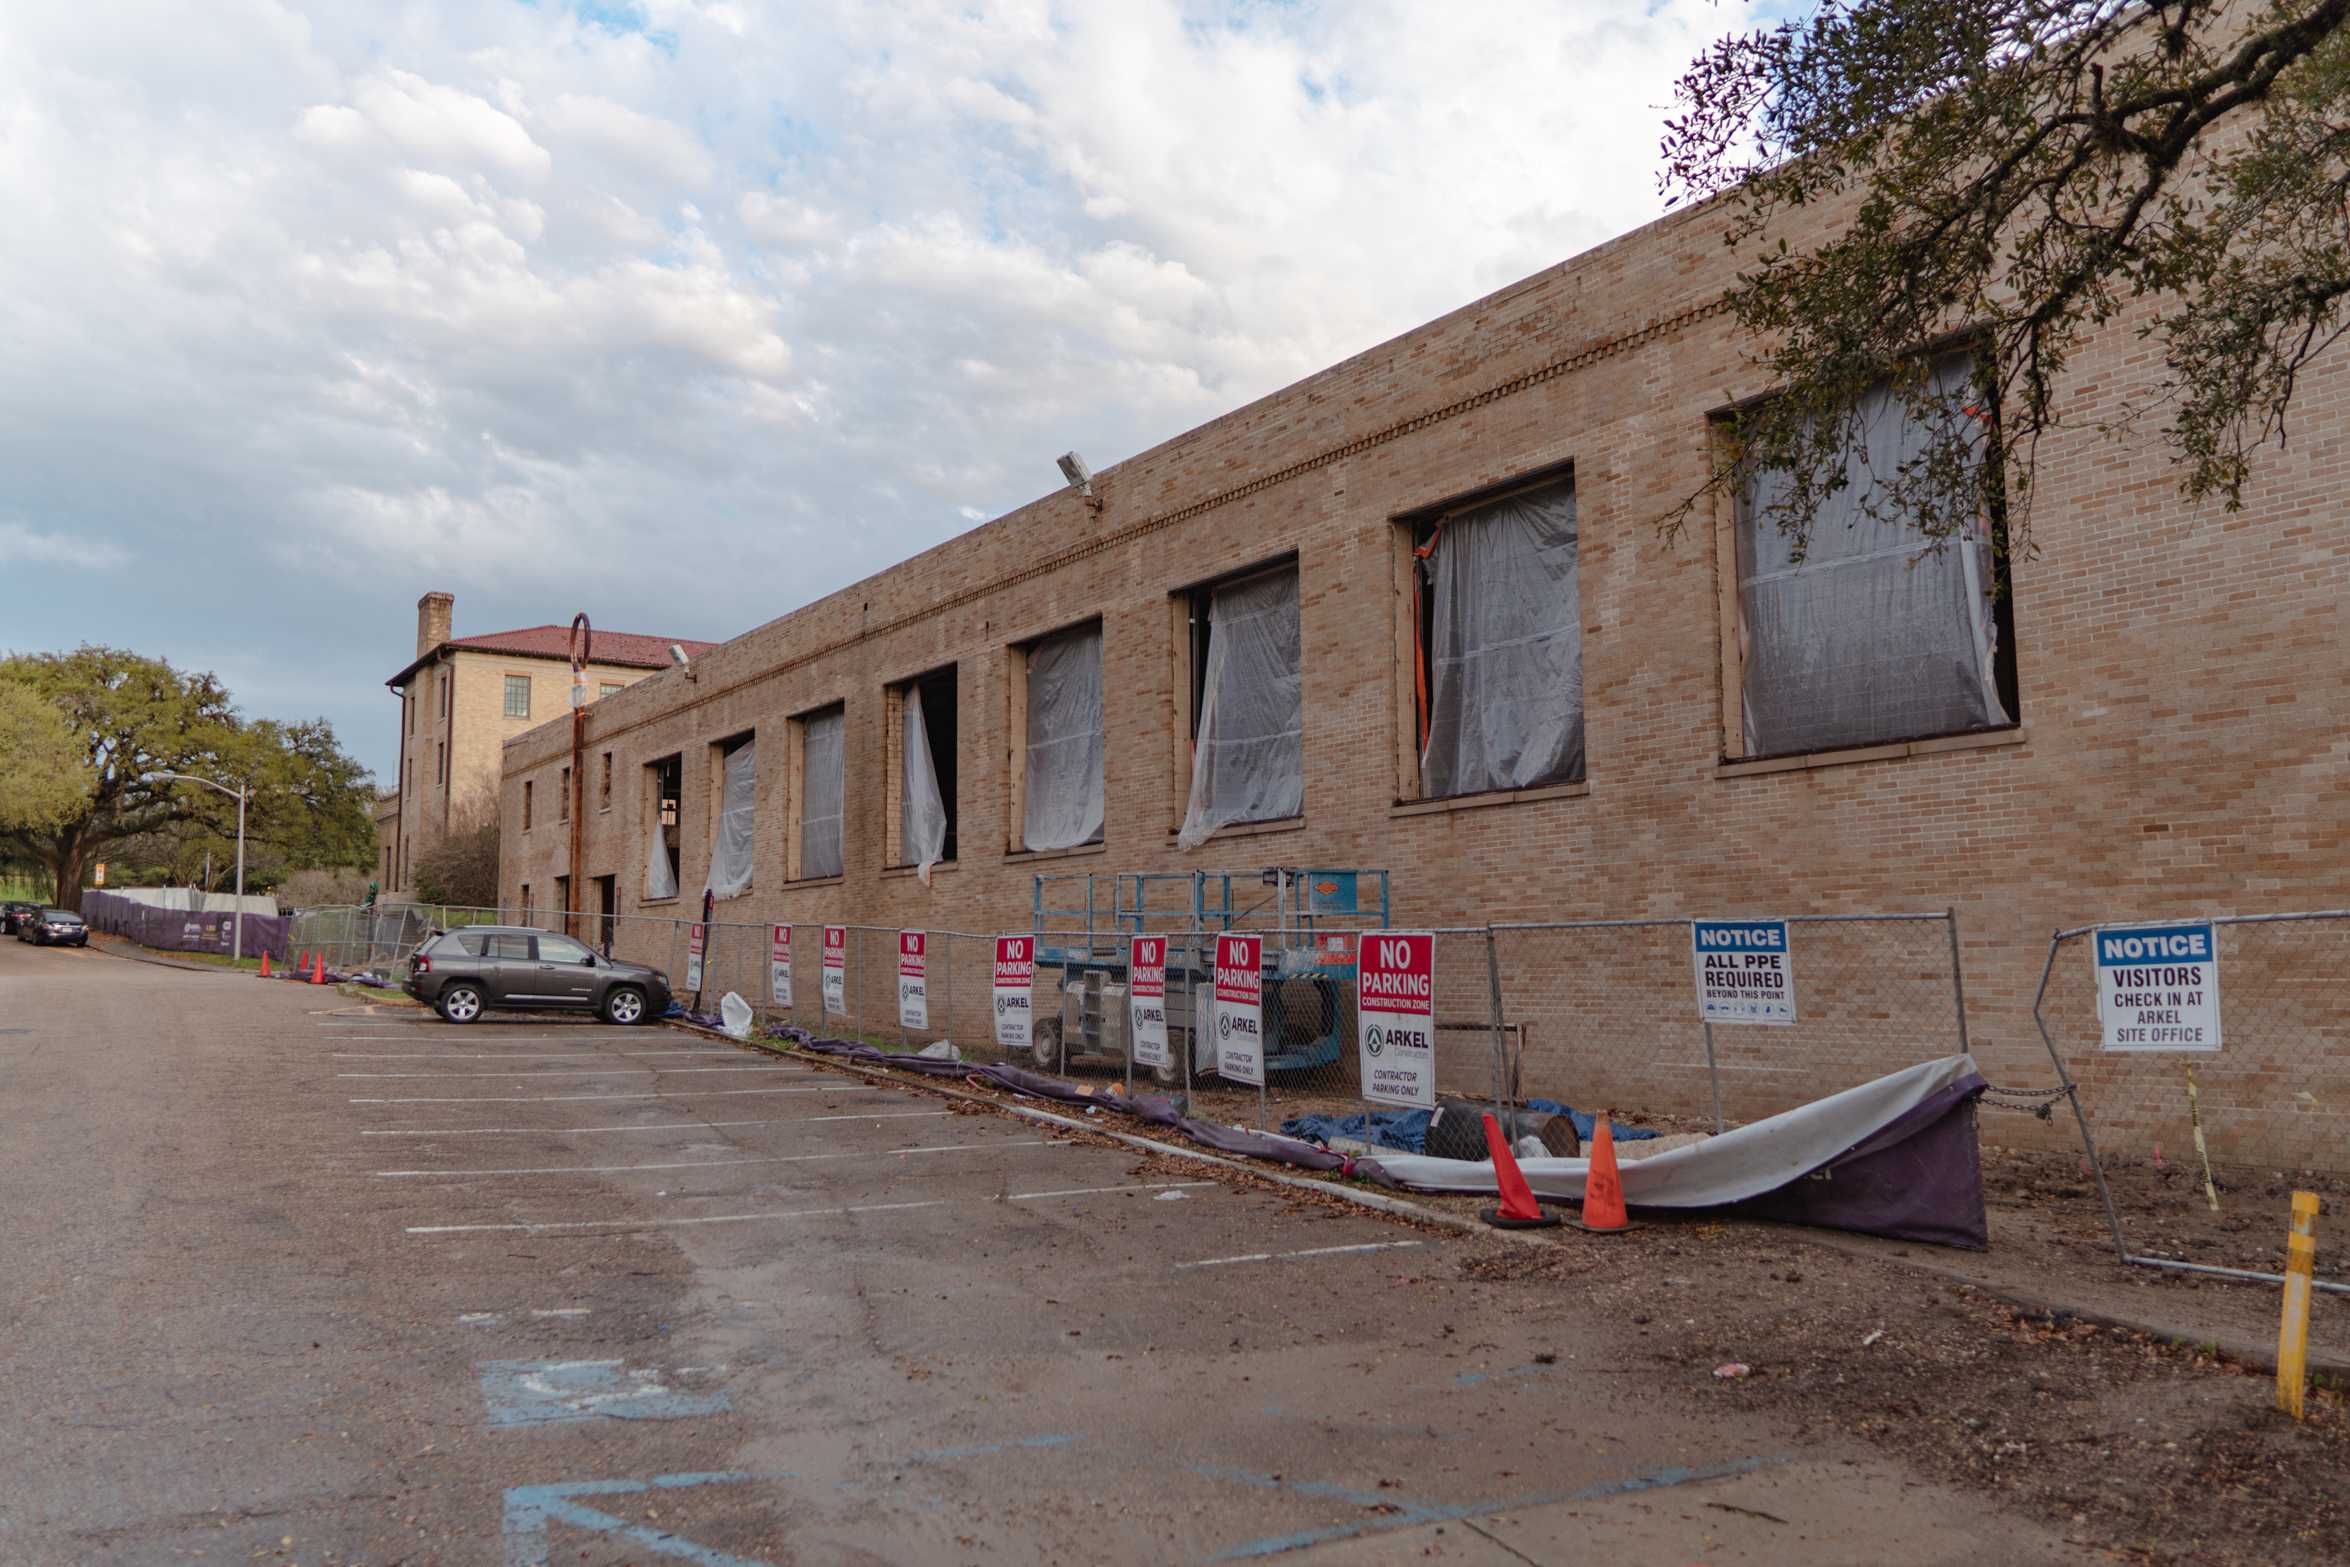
(2182, 678)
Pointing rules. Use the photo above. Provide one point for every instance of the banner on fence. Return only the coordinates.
(779, 966)
(836, 971)
(1015, 989)
(2158, 987)
(1745, 971)
(1395, 1013)
(1146, 1000)
(1240, 1009)
(693, 957)
(913, 980)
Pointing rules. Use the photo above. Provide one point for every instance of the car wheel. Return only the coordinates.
(1170, 1075)
(625, 1005)
(460, 1004)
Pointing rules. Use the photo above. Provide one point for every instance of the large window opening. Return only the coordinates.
(1498, 666)
(1867, 633)
(1061, 802)
(733, 828)
(1247, 706)
(823, 792)
(926, 751)
(665, 790)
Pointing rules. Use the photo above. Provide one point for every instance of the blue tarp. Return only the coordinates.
(1407, 1130)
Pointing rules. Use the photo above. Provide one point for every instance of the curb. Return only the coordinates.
(1377, 1202)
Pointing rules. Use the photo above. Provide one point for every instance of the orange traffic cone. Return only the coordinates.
(318, 968)
(1603, 1192)
(265, 965)
(301, 967)
(1518, 1210)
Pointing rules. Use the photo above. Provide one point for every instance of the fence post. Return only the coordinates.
(1493, 984)
(2113, 1219)
(1713, 1070)
(1957, 980)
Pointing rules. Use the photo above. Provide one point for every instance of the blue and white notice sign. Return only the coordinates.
(2158, 987)
(1745, 971)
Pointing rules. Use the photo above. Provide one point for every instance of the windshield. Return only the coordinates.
(62, 917)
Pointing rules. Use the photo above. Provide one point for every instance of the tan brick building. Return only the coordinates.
(462, 699)
(2152, 724)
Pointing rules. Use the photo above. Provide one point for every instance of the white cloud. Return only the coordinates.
(21, 543)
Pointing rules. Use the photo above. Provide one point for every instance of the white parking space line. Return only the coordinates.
(658, 1126)
(1297, 1256)
(623, 1225)
(514, 1055)
(710, 1164)
(557, 1099)
(600, 1071)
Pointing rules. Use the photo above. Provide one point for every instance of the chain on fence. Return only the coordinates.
(2262, 1030)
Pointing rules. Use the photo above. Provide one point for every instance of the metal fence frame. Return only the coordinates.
(2113, 1218)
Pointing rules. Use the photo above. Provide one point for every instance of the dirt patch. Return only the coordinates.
(2165, 1211)
(2150, 1451)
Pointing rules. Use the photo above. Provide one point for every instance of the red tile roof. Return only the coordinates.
(629, 649)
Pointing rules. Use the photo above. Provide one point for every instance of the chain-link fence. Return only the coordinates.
(1611, 1012)
(2229, 1033)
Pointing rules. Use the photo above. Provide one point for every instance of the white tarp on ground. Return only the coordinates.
(922, 813)
(1064, 794)
(1739, 1164)
(660, 879)
(821, 794)
(190, 901)
(1248, 760)
(1505, 652)
(1866, 638)
(738, 809)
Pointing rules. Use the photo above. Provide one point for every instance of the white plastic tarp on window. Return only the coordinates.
(1248, 759)
(1868, 638)
(821, 794)
(1064, 794)
(922, 813)
(1505, 652)
(738, 807)
(660, 879)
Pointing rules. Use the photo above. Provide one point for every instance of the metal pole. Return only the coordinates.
(237, 942)
(582, 645)
(1713, 1073)
(1957, 981)
(1493, 982)
(2113, 1218)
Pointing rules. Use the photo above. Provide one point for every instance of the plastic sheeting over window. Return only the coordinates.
(738, 807)
(821, 794)
(1064, 792)
(922, 811)
(1869, 638)
(1248, 758)
(1505, 651)
(660, 877)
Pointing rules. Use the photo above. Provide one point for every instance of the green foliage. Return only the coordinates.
(132, 717)
(40, 787)
(2020, 172)
(462, 867)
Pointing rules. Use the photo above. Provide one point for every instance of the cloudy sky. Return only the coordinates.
(686, 313)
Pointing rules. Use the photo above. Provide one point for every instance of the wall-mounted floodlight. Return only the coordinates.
(678, 657)
(1080, 478)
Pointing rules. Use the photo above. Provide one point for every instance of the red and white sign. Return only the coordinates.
(779, 966)
(1395, 1011)
(1240, 1009)
(1015, 990)
(836, 971)
(913, 979)
(693, 957)
(1146, 1000)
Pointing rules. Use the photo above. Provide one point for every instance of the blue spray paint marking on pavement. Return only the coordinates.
(1409, 1512)
(530, 1509)
(547, 1392)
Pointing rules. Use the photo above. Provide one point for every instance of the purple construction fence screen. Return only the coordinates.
(183, 930)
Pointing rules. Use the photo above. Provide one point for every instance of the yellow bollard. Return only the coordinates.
(2293, 1336)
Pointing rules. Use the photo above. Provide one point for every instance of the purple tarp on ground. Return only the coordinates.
(180, 930)
(1920, 1179)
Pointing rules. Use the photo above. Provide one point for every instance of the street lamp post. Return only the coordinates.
(239, 794)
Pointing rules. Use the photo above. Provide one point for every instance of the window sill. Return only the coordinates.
(1473, 802)
(1248, 829)
(909, 872)
(658, 903)
(1031, 856)
(815, 881)
(1989, 739)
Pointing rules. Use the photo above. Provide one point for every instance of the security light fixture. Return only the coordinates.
(678, 657)
(1080, 478)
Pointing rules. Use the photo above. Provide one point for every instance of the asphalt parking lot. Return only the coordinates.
(308, 1280)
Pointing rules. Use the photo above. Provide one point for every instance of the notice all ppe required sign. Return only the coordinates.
(1745, 971)
(2158, 987)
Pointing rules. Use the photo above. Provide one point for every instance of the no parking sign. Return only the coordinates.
(913, 979)
(1240, 1007)
(836, 971)
(1015, 984)
(1395, 1011)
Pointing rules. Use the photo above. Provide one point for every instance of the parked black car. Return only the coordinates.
(13, 914)
(482, 968)
(55, 928)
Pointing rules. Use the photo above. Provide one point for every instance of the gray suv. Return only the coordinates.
(465, 973)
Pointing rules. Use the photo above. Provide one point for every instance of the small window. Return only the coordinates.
(609, 688)
(524, 952)
(1247, 704)
(518, 696)
(1061, 802)
(561, 949)
(527, 787)
(511, 946)
(926, 772)
(604, 785)
(408, 701)
(448, 685)
(1867, 635)
(563, 803)
(823, 738)
(1498, 676)
(665, 783)
(468, 942)
(734, 824)
(441, 760)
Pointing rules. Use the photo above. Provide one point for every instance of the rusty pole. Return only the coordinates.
(582, 641)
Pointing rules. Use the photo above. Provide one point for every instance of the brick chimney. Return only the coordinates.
(433, 613)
